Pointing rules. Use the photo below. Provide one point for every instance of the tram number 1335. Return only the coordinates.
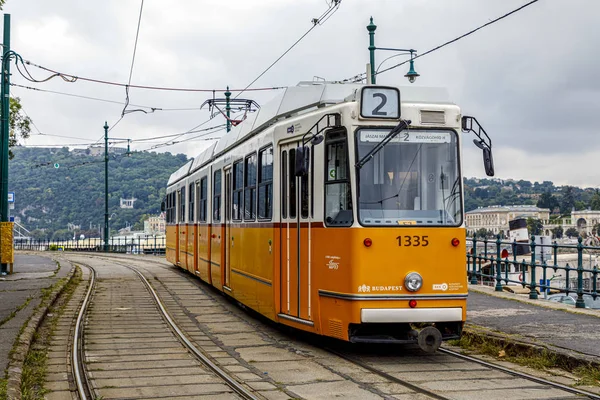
(413, 240)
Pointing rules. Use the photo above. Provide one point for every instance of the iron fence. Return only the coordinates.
(543, 269)
(133, 245)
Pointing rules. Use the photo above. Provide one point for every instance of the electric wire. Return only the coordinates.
(363, 74)
(73, 78)
(333, 7)
(104, 100)
(137, 35)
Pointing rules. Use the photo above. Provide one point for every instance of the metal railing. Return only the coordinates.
(560, 268)
(132, 245)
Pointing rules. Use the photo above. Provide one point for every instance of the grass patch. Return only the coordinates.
(3, 383)
(528, 356)
(35, 364)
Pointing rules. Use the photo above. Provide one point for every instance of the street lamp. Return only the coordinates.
(411, 75)
(106, 218)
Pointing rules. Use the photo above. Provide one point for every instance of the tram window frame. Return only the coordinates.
(167, 208)
(203, 196)
(304, 193)
(292, 183)
(250, 180)
(182, 199)
(238, 190)
(217, 195)
(345, 182)
(173, 207)
(284, 184)
(191, 199)
(265, 184)
(312, 183)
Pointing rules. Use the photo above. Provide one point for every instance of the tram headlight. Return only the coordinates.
(413, 282)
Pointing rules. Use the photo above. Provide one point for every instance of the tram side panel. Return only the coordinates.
(203, 254)
(190, 248)
(171, 244)
(217, 255)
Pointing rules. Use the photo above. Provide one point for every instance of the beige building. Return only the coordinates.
(583, 220)
(495, 218)
(155, 225)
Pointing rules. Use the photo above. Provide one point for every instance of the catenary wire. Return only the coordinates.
(317, 21)
(363, 74)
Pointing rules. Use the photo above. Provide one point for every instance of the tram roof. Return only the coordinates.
(295, 99)
(180, 173)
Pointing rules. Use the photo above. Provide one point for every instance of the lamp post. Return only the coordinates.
(106, 218)
(411, 75)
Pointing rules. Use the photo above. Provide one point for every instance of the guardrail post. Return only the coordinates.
(533, 293)
(498, 264)
(474, 273)
(595, 282)
(579, 303)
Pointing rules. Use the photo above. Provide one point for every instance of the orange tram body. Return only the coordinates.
(336, 209)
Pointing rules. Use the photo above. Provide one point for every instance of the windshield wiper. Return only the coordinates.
(397, 129)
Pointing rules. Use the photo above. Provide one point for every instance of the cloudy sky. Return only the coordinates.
(530, 79)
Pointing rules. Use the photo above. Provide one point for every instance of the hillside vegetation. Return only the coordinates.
(48, 199)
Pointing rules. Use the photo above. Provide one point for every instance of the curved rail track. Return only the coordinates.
(444, 375)
(86, 320)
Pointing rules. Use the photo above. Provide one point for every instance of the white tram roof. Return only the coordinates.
(180, 173)
(297, 99)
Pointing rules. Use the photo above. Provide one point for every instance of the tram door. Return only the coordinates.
(295, 287)
(226, 266)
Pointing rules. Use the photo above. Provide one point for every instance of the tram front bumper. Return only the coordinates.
(410, 315)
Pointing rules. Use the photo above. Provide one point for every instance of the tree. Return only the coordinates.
(572, 232)
(568, 200)
(547, 200)
(595, 202)
(19, 123)
(534, 226)
(557, 232)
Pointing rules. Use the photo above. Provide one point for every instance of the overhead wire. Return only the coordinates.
(333, 7)
(137, 34)
(362, 75)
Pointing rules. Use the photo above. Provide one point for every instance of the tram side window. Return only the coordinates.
(304, 194)
(202, 201)
(238, 188)
(217, 196)
(283, 184)
(265, 183)
(250, 188)
(182, 201)
(292, 179)
(191, 207)
(173, 196)
(338, 197)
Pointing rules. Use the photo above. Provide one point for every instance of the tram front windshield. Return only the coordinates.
(413, 180)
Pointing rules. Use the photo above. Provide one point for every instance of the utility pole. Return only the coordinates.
(6, 254)
(105, 186)
(371, 28)
(228, 108)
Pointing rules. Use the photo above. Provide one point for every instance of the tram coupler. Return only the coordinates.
(429, 339)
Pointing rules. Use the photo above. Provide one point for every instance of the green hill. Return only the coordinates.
(48, 199)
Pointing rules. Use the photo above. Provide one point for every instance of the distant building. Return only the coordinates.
(155, 225)
(127, 203)
(583, 220)
(95, 151)
(495, 218)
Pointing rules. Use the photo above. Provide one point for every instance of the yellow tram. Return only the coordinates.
(336, 209)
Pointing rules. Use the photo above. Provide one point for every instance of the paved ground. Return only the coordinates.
(32, 273)
(561, 328)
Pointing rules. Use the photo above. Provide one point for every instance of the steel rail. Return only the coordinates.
(231, 382)
(521, 374)
(83, 386)
(385, 375)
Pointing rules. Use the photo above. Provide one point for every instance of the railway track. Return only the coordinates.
(376, 371)
(110, 358)
(471, 379)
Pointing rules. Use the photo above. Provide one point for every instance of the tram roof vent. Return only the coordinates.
(433, 117)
